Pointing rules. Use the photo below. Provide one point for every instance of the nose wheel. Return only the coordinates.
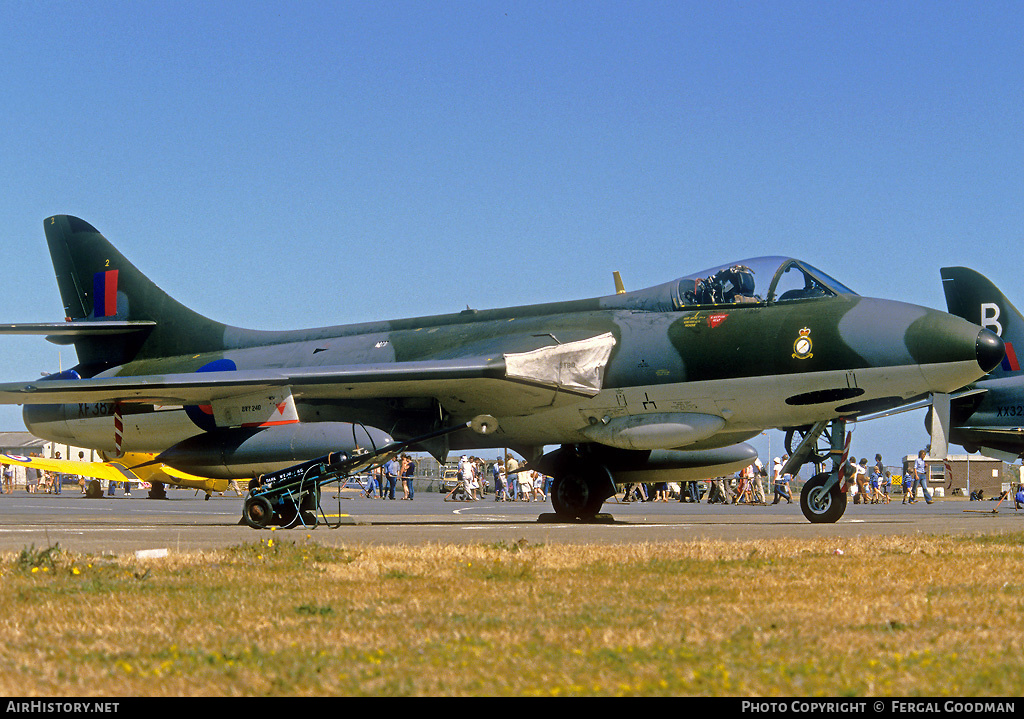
(820, 503)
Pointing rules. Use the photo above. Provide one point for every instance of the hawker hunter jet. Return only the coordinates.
(660, 384)
(989, 414)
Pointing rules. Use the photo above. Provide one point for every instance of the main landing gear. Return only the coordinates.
(580, 484)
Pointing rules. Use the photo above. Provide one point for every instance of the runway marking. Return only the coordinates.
(85, 530)
(109, 508)
(175, 512)
(573, 524)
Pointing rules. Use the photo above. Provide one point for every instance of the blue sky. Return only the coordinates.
(307, 164)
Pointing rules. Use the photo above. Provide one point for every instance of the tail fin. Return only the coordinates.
(971, 295)
(99, 287)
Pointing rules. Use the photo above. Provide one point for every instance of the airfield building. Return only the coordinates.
(967, 473)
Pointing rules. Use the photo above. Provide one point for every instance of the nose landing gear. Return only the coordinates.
(823, 498)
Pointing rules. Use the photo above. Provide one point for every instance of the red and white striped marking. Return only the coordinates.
(118, 430)
(844, 462)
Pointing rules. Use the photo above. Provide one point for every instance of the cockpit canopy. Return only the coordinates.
(762, 279)
(756, 281)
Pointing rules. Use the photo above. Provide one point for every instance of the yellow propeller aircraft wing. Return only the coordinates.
(132, 467)
(113, 471)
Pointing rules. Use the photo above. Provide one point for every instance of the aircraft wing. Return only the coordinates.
(100, 470)
(184, 476)
(184, 479)
(500, 384)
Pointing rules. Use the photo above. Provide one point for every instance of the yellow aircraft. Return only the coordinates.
(135, 467)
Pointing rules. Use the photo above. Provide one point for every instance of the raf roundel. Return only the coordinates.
(803, 345)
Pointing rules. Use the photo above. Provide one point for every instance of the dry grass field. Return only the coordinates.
(924, 616)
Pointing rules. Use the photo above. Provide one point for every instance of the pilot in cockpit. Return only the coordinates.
(733, 284)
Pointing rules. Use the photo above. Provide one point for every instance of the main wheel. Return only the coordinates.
(579, 490)
(821, 506)
(257, 512)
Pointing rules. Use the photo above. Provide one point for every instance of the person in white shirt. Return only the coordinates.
(920, 471)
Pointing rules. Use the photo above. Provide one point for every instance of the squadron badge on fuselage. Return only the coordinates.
(803, 345)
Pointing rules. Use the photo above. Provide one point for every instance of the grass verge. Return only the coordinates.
(926, 616)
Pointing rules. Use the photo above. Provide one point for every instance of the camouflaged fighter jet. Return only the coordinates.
(988, 415)
(660, 384)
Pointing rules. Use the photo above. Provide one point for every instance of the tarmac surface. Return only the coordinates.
(185, 522)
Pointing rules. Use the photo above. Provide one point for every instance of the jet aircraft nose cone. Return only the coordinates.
(989, 349)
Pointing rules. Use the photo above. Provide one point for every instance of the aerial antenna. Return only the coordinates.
(620, 289)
